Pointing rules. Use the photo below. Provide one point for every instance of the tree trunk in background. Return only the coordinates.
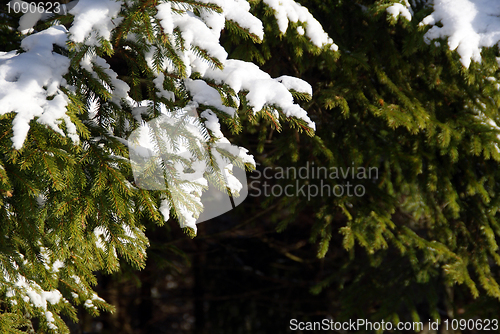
(199, 263)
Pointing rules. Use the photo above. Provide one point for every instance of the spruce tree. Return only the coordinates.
(77, 84)
(391, 97)
(414, 94)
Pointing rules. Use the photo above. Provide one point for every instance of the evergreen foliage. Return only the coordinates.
(426, 227)
(70, 206)
(422, 242)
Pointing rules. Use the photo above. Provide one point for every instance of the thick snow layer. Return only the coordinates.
(236, 11)
(202, 93)
(296, 84)
(93, 19)
(469, 25)
(212, 123)
(262, 89)
(204, 32)
(28, 79)
(398, 9)
(165, 17)
(289, 10)
(31, 82)
(196, 33)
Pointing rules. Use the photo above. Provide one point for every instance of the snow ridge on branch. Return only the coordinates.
(30, 84)
(469, 25)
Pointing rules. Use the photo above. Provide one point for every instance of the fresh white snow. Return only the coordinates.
(398, 9)
(469, 25)
(28, 79)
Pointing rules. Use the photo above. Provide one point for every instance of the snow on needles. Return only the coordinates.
(94, 19)
(289, 10)
(262, 89)
(398, 9)
(237, 11)
(28, 79)
(31, 83)
(469, 25)
(285, 11)
(204, 32)
(35, 295)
